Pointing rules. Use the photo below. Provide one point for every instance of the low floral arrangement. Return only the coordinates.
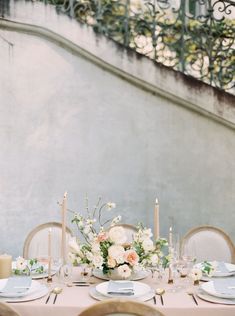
(23, 266)
(208, 268)
(106, 247)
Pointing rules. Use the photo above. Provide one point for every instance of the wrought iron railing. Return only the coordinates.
(194, 37)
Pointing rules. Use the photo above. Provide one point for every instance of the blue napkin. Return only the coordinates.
(225, 286)
(16, 286)
(120, 288)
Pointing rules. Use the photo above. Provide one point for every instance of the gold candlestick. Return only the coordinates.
(156, 221)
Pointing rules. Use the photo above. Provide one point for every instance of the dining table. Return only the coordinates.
(74, 299)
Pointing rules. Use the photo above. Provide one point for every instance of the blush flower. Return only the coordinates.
(124, 271)
(131, 257)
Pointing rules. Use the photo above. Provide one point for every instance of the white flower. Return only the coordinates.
(124, 271)
(97, 261)
(110, 205)
(147, 233)
(95, 247)
(117, 253)
(87, 229)
(72, 257)
(154, 259)
(147, 245)
(73, 246)
(116, 220)
(196, 274)
(21, 263)
(89, 256)
(117, 235)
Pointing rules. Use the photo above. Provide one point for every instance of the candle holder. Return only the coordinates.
(49, 279)
(170, 278)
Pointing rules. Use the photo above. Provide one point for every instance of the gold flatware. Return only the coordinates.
(191, 293)
(154, 300)
(160, 292)
(56, 291)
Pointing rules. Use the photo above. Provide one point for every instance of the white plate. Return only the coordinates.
(42, 291)
(34, 288)
(210, 289)
(93, 293)
(142, 274)
(213, 299)
(218, 274)
(140, 289)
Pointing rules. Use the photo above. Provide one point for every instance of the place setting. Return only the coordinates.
(220, 291)
(122, 289)
(21, 289)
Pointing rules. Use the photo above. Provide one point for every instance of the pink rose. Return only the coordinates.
(131, 257)
(102, 236)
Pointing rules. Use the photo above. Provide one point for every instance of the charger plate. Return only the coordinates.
(98, 296)
(213, 299)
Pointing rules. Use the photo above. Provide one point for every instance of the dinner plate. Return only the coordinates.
(217, 273)
(210, 289)
(34, 288)
(42, 291)
(98, 296)
(140, 289)
(213, 299)
(142, 274)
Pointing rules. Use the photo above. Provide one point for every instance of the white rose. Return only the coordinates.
(147, 245)
(97, 261)
(196, 274)
(124, 271)
(117, 235)
(154, 259)
(21, 263)
(117, 253)
(72, 257)
(95, 247)
(111, 263)
(73, 246)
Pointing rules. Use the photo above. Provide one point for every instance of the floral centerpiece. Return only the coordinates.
(106, 247)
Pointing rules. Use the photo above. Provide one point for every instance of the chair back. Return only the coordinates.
(36, 243)
(7, 310)
(120, 307)
(130, 230)
(209, 243)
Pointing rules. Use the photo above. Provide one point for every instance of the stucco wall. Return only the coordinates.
(68, 125)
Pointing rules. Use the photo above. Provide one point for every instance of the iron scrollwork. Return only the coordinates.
(195, 37)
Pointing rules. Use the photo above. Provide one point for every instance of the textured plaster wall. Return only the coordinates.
(66, 124)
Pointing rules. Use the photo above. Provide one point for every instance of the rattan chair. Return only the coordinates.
(120, 307)
(36, 243)
(209, 243)
(7, 310)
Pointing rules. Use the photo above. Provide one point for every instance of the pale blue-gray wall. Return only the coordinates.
(67, 125)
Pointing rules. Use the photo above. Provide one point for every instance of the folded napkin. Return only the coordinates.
(221, 268)
(17, 285)
(225, 286)
(120, 288)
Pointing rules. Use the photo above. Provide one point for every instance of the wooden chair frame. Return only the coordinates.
(37, 229)
(120, 306)
(195, 230)
(7, 310)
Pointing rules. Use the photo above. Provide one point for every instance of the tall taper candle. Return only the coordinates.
(156, 221)
(49, 278)
(170, 238)
(5, 266)
(63, 241)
